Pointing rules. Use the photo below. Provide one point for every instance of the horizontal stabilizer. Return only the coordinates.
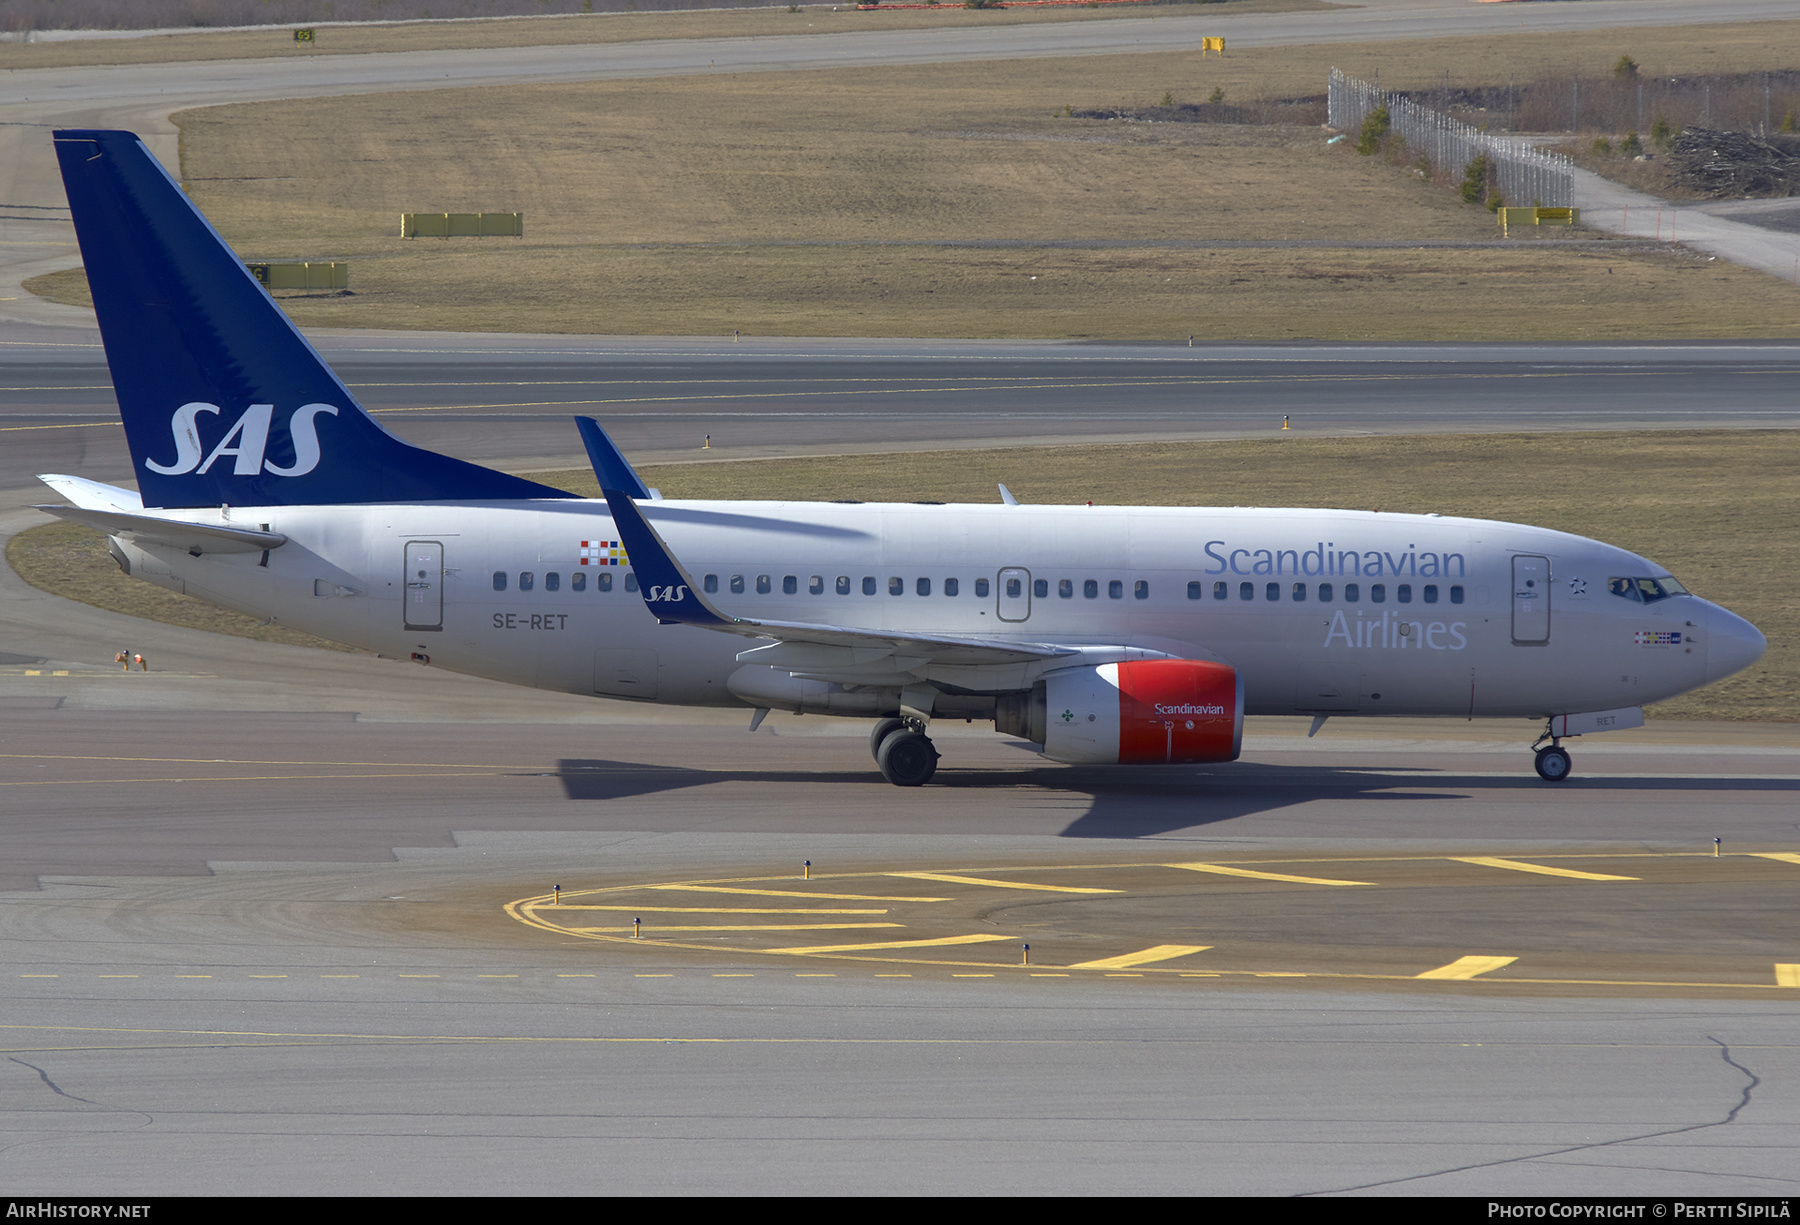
(191, 537)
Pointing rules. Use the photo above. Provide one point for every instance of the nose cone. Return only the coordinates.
(1734, 644)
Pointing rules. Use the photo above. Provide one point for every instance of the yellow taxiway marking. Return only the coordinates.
(1222, 870)
(940, 942)
(193, 976)
(829, 897)
(340, 976)
(1143, 957)
(268, 976)
(815, 976)
(1783, 856)
(712, 909)
(419, 976)
(38, 976)
(1468, 967)
(995, 884)
(741, 927)
(1787, 974)
(118, 976)
(1514, 865)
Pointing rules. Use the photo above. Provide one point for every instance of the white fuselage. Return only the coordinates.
(1322, 612)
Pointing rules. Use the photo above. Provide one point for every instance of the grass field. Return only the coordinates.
(819, 202)
(1721, 509)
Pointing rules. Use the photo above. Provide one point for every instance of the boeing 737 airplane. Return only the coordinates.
(1113, 635)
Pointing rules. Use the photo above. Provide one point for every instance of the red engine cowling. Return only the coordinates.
(1150, 711)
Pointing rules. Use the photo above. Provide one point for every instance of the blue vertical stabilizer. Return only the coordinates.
(223, 400)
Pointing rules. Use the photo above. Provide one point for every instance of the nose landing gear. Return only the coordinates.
(1553, 761)
(905, 755)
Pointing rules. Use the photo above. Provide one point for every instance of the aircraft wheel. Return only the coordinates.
(907, 759)
(883, 729)
(1554, 764)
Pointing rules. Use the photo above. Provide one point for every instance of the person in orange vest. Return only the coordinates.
(140, 663)
(123, 659)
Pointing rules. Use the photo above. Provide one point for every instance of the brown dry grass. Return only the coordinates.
(620, 180)
(70, 560)
(1720, 508)
(277, 42)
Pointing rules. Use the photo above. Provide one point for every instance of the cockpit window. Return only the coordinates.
(1645, 590)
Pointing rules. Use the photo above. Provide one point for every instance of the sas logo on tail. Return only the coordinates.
(668, 595)
(244, 442)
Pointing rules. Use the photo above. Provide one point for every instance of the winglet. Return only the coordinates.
(1006, 496)
(669, 593)
(610, 464)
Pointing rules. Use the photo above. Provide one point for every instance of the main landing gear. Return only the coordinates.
(1553, 761)
(904, 753)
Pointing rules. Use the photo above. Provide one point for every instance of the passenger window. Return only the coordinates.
(790, 585)
(1221, 590)
(1040, 587)
(553, 581)
(526, 581)
(1272, 592)
(816, 584)
(1431, 593)
(896, 586)
(1456, 595)
(1404, 593)
(603, 582)
(950, 586)
(923, 586)
(1140, 590)
(1090, 589)
(631, 581)
(711, 584)
(763, 585)
(982, 587)
(1195, 590)
(578, 581)
(1013, 588)
(868, 584)
(1377, 593)
(1065, 588)
(1246, 591)
(737, 584)
(499, 580)
(843, 584)
(1299, 593)
(1115, 590)
(1324, 593)
(1351, 593)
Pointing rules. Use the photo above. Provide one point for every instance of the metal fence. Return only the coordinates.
(1525, 175)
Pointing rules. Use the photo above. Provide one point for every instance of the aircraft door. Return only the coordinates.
(1013, 591)
(1531, 600)
(424, 585)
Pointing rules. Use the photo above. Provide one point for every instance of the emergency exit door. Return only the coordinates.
(424, 585)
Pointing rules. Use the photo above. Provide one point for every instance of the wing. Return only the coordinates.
(671, 594)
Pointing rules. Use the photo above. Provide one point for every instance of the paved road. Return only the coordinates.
(510, 400)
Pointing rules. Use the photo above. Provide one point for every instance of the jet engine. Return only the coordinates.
(1141, 712)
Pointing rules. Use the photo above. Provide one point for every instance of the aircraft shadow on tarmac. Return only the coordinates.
(1123, 804)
